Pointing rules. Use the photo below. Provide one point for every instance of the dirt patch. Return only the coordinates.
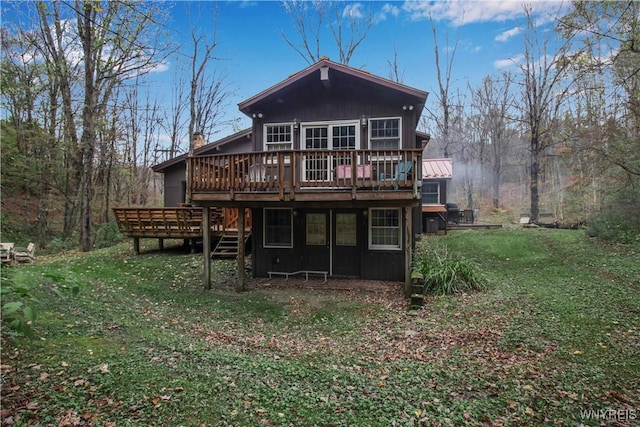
(337, 284)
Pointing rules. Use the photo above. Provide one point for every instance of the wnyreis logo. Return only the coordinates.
(619, 415)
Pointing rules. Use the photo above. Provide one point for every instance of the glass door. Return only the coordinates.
(321, 138)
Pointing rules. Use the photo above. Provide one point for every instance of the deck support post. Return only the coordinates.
(240, 284)
(206, 246)
(136, 245)
(408, 249)
(161, 243)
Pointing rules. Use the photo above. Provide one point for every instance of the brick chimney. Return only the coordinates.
(198, 140)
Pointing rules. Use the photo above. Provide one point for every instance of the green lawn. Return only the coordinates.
(554, 340)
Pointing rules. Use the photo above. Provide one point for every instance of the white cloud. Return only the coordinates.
(160, 67)
(353, 10)
(248, 3)
(467, 12)
(387, 9)
(508, 62)
(506, 35)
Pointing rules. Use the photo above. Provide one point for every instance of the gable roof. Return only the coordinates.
(210, 148)
(323, 70)
(437, 168)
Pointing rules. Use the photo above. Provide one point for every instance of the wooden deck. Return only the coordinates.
(386, 176)
(475, 224)
(173, 223)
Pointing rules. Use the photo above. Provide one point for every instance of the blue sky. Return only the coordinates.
(255, 55)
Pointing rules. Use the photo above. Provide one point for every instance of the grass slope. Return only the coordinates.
(554, 340)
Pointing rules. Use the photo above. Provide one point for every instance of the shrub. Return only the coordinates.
(18, 298)
(447, 273)
(58, 245)
(107, 234)
(620, 220)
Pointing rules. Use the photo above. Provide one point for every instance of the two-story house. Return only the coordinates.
(329, 173)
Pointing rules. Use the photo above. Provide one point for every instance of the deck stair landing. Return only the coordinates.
(227, 246)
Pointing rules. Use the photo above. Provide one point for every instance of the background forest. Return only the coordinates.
(559, 132)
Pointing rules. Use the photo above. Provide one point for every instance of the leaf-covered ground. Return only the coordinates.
(555, 340)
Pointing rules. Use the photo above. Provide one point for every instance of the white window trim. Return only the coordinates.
(264, 228)
(329, 125)
(421, 194)
(266, 144)
(386, 247)
(370, 128)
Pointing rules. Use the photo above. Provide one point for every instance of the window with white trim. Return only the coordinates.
(278, 137)
(278, 228)
(431, 193)
(344, 137)
(384, 228)
(327, 136)
(384, 134)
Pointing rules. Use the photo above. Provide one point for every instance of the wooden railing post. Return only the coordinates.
(408, 248)
(281, 174)
(206, 245)
(240, 284)
(283, 170)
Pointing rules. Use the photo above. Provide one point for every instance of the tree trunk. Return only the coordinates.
(495, 199)
(534, 175)
(88, 138)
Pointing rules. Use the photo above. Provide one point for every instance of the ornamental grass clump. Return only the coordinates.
(446, 273)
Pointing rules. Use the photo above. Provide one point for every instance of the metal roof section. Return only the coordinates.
(437, 168)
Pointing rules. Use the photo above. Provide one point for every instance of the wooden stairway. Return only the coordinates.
(227, 246)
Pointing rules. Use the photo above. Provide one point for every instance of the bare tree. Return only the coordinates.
(118, 42)
(609, 33)
(141, 113)
(209, 92)
(491, 103)
(443, 115)
(174, 120)
(543, 91)
(348, 23)
(395, 73)
(55, 42)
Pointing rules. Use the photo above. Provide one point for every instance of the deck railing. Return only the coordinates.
(284, 171)
(179, 223)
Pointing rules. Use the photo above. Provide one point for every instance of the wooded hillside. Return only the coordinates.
(559, 133)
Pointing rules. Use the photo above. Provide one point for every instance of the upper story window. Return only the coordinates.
(331, 136)
(384, 134)
(278, 137)
(344, 137)
(431, 193)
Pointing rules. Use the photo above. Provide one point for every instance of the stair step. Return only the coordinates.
(227, 246)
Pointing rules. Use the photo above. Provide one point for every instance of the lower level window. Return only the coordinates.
(278, 228)
(384, 228)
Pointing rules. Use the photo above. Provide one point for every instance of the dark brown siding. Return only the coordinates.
(443, 191)
(320, 104)
(273, 259)
(378, 265)
(174, 185)
(381, 265)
